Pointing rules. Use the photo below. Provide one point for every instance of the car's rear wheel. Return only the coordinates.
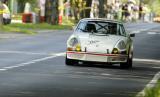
(129, 62)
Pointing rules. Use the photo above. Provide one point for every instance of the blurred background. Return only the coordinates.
(60, 11)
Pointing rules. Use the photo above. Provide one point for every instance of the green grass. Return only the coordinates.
(41, 26)
(153, 92)
(8, 29)
(30, 28)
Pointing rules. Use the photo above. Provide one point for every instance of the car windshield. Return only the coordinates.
(98, 27)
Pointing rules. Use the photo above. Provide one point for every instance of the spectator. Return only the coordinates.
(6, 13)
(126, 13)
(123, 12)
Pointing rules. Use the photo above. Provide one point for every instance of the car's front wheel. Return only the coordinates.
(69, 61)
(129, 62)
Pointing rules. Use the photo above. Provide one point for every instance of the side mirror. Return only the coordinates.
(132, 34)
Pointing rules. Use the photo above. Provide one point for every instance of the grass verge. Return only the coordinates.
(153, 92)
(30, 28)
(8, 29)
(40, 26)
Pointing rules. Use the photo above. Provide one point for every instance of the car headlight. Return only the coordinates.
(121, 45)
(73, 42)
(119, 48)
(115, 51)
(74, 45)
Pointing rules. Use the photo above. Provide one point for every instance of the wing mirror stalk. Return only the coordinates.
(132, 34)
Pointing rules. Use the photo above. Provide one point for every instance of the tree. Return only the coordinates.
(22, 3)
(87, 10)
(154, 5)
(1, 16)
(51, 13)
(75, 7)
(80, 8)
(101, 8)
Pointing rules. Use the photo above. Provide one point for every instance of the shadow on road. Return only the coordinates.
(139, 67)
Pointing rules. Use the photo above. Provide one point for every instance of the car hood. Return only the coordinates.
(98, 43)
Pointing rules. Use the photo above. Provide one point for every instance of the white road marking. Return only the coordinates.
(28, 63)
(31, 62)
(153, 33)
(60, 54)
(156, 67)
(136, 31)
(30, 53)
(105, 74)
(146, 60)
(2, 69)
(139, 31)
(23, 52)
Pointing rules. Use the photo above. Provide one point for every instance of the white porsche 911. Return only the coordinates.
(100, 40)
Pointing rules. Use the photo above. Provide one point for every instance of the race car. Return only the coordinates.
(100, 40)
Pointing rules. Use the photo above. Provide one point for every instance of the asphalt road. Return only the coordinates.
(33, 66)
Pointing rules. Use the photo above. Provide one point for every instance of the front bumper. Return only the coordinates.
(97, 57)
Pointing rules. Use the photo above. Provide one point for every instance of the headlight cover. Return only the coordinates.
(121, 45)
(73, 42)
(74, 45)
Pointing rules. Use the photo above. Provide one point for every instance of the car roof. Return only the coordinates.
(101, 19)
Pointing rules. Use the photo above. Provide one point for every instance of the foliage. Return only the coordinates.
(30, 1)
(78, 8)
(22, 2)
(154, 92)
(154, 5)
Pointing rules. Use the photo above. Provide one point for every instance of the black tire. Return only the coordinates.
(129, 62)
(69, 61)
(127, 65)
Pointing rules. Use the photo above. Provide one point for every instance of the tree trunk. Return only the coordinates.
(51, 13)
(1, 14)
(60, 9)
(101, 9)
(87, 11)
